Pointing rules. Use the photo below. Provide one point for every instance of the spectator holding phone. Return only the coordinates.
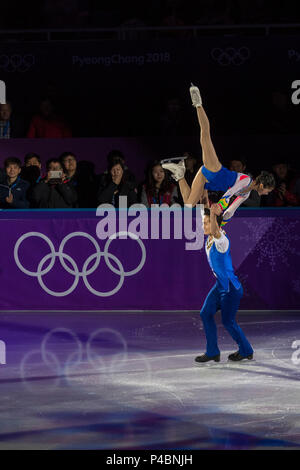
(13, 190)
(54, 191)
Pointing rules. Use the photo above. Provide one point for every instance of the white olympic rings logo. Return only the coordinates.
(16, 62)
(89, 356)
(63, 257)
(108, 359)
(230, 55)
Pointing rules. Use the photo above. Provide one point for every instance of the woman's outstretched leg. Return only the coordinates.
(209, 156)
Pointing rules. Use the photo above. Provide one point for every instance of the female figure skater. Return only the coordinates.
(213, 176)
(224, 296)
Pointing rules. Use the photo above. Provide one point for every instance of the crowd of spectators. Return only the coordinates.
(67, 183)
(91, 13)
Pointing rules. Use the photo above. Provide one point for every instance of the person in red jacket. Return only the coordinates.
(287, 190)
(47, 124)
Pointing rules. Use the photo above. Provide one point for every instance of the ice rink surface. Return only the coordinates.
(128, 381)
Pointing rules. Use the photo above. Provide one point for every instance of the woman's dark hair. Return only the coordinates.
(113, 154)
(115, 161)
(219, 217)
(267, 179)
(12, 161)
(166, 184)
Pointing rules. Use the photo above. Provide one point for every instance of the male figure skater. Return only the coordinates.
(224, 296)
(215, 177)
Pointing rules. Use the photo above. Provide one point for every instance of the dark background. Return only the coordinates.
(243, 62)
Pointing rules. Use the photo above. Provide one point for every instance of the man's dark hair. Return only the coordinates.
(65, 155)
(219, 217)
(52, 160)
(31, 155)
(12, 161)
(267, 179)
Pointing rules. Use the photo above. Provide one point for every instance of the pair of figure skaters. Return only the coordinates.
(227, 292)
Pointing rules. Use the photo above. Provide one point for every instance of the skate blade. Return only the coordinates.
(172, 159)
(208, 363)
(243, 361)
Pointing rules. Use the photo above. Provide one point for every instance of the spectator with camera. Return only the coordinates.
(114, 183)
(158, 189)
(13, 189)
(287, 190)
(54, 190)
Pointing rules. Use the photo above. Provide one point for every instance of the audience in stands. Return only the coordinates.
(81, 175)
(32, 159)
(79, 186)
(158, 188)
(13, 189)
(54, 191)
(47, 123)
(114, 183)
(112, 155)
(287, 190)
